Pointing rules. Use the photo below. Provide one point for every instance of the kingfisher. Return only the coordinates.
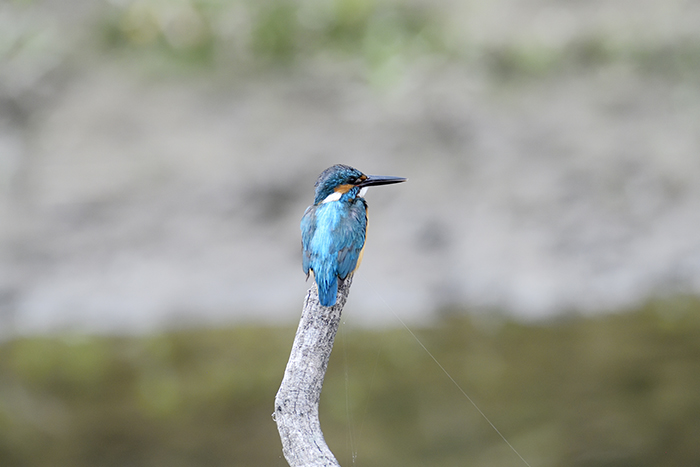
(333, 229)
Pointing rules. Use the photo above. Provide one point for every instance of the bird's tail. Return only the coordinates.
(327, 289)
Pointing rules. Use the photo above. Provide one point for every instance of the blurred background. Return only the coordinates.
(156, 157)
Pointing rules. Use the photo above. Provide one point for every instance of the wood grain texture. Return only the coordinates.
(296, 403)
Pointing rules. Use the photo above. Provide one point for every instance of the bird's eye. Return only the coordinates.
(353, 180)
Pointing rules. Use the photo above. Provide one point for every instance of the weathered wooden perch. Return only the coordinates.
(296, 403)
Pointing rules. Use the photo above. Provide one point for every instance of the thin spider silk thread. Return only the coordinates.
(464, 393)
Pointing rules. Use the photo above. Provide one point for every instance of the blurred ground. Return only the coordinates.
(156, 157)
(616, 390)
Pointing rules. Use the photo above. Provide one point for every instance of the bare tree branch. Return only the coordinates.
(296, 403)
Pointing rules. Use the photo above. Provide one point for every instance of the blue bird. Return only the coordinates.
(333, 229)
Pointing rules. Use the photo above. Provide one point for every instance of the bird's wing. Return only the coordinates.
(308, 228)
(351, 238)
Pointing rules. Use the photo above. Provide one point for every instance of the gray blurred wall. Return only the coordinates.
(130, 202)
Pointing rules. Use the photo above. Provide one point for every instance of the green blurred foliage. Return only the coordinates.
(386, 35)
(515, 61)
(614, 390)
(382, 39)
(244, 32)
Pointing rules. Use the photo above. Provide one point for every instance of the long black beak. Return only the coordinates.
(374, 180)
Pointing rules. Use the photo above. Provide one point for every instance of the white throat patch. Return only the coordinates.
(335, 196)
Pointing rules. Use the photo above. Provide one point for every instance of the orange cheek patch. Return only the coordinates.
(359, 258)
(343, 188)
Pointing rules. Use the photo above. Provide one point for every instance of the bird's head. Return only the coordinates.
(339, 179)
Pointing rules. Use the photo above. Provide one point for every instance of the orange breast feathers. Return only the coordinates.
(362, 251)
